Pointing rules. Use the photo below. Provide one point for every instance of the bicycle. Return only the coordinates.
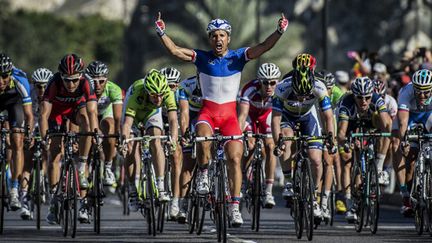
(421, 190)
(36, 187)
(219, 190)
(96, 191)
(255, 188)
(147, 191)
(303, 184)
(365, 188)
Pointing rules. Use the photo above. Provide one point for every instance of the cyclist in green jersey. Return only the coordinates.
(144, 102)
(110, 103)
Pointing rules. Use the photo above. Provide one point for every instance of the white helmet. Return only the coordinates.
(422, 80)
(362, 86)
(172, 75)
(42, 75)
(219, 24)
(268, 71)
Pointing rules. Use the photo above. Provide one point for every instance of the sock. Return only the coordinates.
(235, 201)
(175, 201)
(160, 183)
(324, 200)
(15, 184)
(380, 161)
(404, 190)
(269, 186)
(108, 164)
(137, 181)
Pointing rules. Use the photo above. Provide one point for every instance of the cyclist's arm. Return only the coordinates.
(181, 53)
(342, 129)
(28, 114)
(243, 114)
(276, 121)
(173, 123)
(92, 114)
(328, 118)
(127, 126)
(403, 116)
(184, 116)
(46, 108)
(256, 51)
(385, 121)
(117, 113)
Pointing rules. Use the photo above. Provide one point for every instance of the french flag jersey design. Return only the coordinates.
(220, 76)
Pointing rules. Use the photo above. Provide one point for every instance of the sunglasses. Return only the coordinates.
(172, 86)
(5, 75)
(40, 86)
(425, 93)
(359, 97)
(73, 79)
(271, 83)
(100, 81)
(154, 95)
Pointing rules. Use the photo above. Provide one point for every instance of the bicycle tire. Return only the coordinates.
(161, 209)
(200, 214)
(191, 213)
(373, 197)
(357, 196)
(308, 189)
(2, 194)
(297, 206)
(257, 179)
(73, 197)
(332, 203)
(64, 208)
(428, 189)
(222, 201)
(125, 197)
(97, 196)
(151, 187)
(418, 209)
(37, 192)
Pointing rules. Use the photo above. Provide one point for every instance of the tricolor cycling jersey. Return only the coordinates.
(407, 101)
(112, 94)
(138, 100)
(347, 110)
(286, 101)
(391, 105)
(17, 90)
(189, 90)
(251, 94)
(219, 77)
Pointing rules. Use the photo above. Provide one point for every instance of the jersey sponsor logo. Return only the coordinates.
(211, 62)
(68, 99)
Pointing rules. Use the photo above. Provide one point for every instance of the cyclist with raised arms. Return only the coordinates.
(110, 104)
(15, 99)
(70, 95)
(414, 107)
(173, 80)
(219, 75)
(255, 108)
(361, 104)
(143, 104)
(294, 103)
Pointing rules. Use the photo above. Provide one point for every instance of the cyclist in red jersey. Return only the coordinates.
(69, 94)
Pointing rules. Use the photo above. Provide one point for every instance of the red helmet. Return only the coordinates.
(71, 64)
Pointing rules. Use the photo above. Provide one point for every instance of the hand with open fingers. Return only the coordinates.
(282, 24)
(278, 150)
(184, 141)
(405, 147)
(160, 26)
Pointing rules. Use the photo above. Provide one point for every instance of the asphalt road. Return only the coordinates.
(276, 226)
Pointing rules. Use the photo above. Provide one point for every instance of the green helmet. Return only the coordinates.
(155, 82)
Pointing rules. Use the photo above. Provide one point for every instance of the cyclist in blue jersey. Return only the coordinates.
(15, 99)
(219, 75)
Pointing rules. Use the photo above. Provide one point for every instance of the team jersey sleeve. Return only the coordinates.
(88, 91)
(321, 92)
(199, 57)
(403, 99)
(22, 85)
(115, 93)
(242, 54)
(343, 110)
(133, 95)
(380, 105)
(170, 102)
(183, 95)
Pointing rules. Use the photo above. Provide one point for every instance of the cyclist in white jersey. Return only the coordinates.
(219, 76)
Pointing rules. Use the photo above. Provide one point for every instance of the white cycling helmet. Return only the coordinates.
(362, 86)
(219, 24)
(41, 75)
(422, 80)
(268, 71)
(172, 75)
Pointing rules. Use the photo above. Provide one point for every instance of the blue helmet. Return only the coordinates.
(362, 86)
(219, 24)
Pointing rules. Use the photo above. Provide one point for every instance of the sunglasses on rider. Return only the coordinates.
(266, 83)
(155, 95)
(6, 75)
(424, 93)
(172, 85)
(360, 97)
(40, 86)
(73, 78)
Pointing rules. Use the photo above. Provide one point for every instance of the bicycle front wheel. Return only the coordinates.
(37, 191)
(428, 190)
(97, 197)
(417, 205)
(221, 210)
(150, 187)
(256, 203)
(2, 193)
(308, 189)
(297, 206)
(373, 197)
(357, 196)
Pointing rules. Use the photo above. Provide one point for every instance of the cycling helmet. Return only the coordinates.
(304, 60)
(172, 75)
(155, 82)
(219, 24)
(422, 80)
(5, 63)
(97, 69)
(268, 71)
(326, 77)
(380, 87)
(41, 75)
(71, 64)
(362, 86)
(303, 81)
